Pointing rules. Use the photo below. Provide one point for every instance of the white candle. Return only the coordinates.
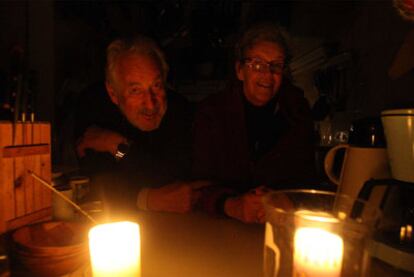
(115, 249)
(317, 252)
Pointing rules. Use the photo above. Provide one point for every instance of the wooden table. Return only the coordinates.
(193, 245)
(197, 244)
(201, 245)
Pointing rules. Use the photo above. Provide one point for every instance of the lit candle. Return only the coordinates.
(317, 252)
(115, 249)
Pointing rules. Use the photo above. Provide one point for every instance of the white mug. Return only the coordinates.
(399, 132)
(359, 165)
(62, 210)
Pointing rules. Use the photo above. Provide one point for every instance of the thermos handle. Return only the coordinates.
(329, 162)
(366, 191)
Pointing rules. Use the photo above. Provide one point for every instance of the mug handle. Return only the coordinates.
(329, 161)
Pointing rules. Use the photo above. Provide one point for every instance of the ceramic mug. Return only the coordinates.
(365, 157)
(359, 165)
(399, 132)
(62, 210)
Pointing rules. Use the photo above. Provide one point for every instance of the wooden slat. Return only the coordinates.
(6, 178)
(26, 150)
(28, 164)
(40, 215)
(46, 168)
(19, 174)
(37, 169)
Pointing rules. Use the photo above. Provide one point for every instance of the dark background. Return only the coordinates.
(343, 50)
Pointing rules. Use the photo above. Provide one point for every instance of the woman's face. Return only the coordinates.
(261, 72)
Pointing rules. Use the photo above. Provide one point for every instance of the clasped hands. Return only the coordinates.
(247, 207)
(177, 197)
(182, 196)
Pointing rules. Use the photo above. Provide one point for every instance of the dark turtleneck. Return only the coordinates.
(263, 125)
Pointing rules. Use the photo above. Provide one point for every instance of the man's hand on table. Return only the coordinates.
(247, 207)
(177, 197)
(99, 140)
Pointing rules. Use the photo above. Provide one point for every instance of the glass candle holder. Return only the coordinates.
(315, 233)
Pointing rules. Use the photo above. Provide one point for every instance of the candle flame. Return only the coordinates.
(318, 248)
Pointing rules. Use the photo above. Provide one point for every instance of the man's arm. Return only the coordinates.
(99, 140)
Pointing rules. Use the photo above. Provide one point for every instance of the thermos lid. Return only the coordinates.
(398, 112)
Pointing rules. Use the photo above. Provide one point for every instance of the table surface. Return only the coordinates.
(197, 244)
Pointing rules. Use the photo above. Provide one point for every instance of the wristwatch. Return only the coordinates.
(121, 151)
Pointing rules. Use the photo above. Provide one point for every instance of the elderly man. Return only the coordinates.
(134, 140)
(258, 133)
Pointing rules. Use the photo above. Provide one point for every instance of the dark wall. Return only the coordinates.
(29, 25)
(65, 42)
(376, 35)
(372, 32)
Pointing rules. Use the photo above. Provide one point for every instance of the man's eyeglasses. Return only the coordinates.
(261, 66)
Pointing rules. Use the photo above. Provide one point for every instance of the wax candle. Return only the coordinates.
(115, 249)
(317, 252)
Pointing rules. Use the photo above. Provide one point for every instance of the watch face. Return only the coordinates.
(121, 151)
(123, 148)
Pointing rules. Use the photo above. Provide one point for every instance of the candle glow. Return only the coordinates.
(115, 249)
(317, 252)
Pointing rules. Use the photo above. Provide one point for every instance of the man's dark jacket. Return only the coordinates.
(154, 159)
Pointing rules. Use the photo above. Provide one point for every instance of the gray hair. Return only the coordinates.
(265, 31)
(139, 45)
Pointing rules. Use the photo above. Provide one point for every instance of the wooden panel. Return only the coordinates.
(24, 200)
(6, 178)
(19, 174)
(40, 215)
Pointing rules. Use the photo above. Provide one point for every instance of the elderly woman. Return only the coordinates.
(257, 133)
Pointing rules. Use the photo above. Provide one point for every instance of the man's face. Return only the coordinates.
(138, 90)
(261, 72)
